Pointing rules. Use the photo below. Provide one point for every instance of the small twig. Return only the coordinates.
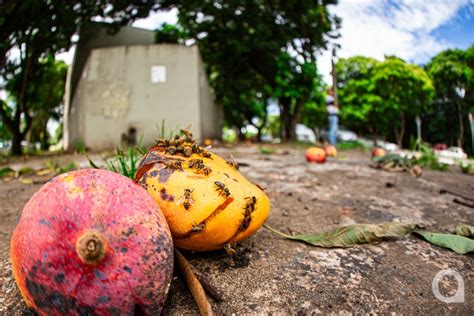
(209, 287)
(194, 285)
(456, 200)
(444, 191)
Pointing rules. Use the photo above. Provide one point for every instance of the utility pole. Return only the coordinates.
(418, 132)
(471, 122)
(334, 79)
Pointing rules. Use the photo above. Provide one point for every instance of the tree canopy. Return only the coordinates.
(378, 96)
(32, 30)
(452, 72)
(262, 45)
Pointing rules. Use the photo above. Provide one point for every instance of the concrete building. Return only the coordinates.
(124, 86)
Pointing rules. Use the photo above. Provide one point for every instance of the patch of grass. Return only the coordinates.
(58, 169)
(25, 170)
(267, 150)
(163, 132)
(429, 160)
(80, 147)
(350, 145)
(6, 171)
(124, 162)
(467, 167)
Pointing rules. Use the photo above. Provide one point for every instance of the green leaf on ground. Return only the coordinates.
(6, 171)
(459, 244)
(349, 236)
(465, 230)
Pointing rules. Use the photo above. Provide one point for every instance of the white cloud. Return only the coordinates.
(402, 28)
(155, 19)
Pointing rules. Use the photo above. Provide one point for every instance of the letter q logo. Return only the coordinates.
(458, 297)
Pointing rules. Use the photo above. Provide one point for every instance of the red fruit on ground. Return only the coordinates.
(378, 152)
(331, 151)
(315, 154)
(92, 242)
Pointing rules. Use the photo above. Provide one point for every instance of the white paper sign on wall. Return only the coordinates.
(158, 74)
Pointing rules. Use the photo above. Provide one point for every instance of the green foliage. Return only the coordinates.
(465, 230)
(428, 159)
(467, 167)
(39, 29)
(58, 169)
(349, 236)
(378, 97)
(452, 72)
(6, 172)
(359, 105)
(267, 150)
(245, 47)
(45, 97)
(80, 147)
(124, 162)
(350, 145)
(170, 34)
(459, 244)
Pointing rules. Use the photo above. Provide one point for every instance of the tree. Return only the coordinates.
(270, 42)
(405, 91)
(360, 106)
(46, 97)
(380, 97)
(171, 34)
(452, 72)
(31, 30)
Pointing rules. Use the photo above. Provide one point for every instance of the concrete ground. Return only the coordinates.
(271, 274)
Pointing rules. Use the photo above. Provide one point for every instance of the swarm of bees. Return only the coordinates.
(222, 188)
(186, 199)
(199, 165)
(174, 164)
(182, 144)
(250, 206)
(248, 210)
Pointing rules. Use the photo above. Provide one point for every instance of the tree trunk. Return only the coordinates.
(17, 138)
(240, 135)
(44, 139)
(259, 134)
(289, 120)
(284, 113)
(400, 133)
(461, 126)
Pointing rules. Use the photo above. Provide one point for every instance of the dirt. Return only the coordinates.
(270, 274)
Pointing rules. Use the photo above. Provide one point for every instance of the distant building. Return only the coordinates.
(123, 86)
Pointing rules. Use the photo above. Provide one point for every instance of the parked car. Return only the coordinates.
(304, 134)
(343, 135)
(451, 152)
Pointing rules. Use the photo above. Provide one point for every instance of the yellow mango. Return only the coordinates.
(207, 202)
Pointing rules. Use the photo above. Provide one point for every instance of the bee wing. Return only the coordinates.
(208, 147)
(180, 200)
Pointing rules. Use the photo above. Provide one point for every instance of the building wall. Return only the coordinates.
(211, 114)
(115, 93)
(98, 35)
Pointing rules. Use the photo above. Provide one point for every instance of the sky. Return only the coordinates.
(414, 30)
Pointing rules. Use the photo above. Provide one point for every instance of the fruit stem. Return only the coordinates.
(91, 247)
(277, 232)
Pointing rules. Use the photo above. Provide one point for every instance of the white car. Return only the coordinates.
(304, 134)
(451, 153)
